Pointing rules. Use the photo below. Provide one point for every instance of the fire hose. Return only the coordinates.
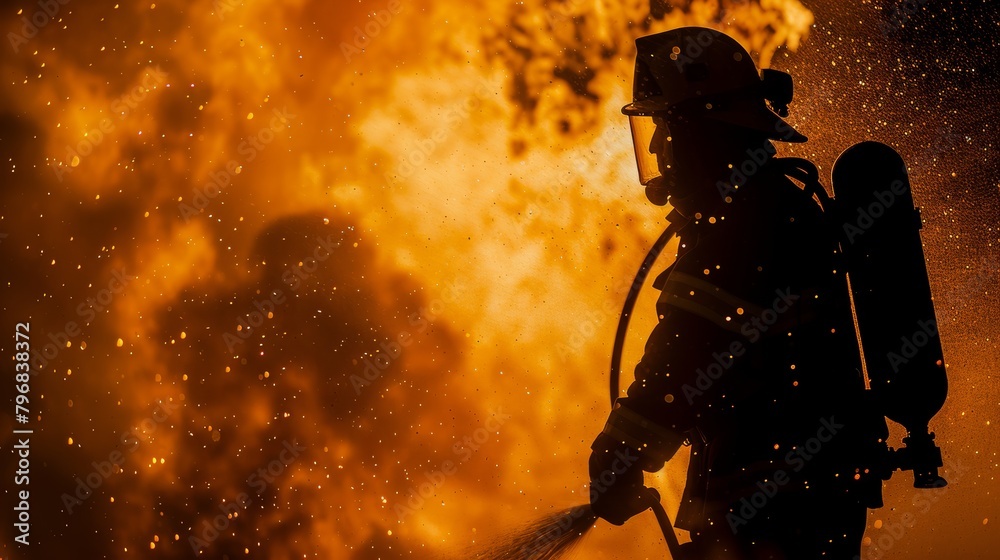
(616, 359)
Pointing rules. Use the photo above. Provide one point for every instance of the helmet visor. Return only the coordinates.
(653, 146)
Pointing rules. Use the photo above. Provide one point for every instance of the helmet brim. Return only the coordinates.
(755, 115)
(648, 107)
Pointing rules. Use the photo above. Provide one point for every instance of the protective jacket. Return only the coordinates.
(755, 361)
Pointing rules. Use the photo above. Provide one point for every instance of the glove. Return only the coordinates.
(617, 491)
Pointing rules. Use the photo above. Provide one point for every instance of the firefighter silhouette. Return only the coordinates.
(755, 361)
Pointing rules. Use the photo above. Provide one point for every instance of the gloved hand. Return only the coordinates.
(617, 491)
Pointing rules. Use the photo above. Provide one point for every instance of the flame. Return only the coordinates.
(448, 192)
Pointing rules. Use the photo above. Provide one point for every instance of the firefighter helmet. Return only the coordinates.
(696, 72)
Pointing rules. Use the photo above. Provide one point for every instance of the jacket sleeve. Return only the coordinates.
(682, 374)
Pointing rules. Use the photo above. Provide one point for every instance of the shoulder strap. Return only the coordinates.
(805, 172)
